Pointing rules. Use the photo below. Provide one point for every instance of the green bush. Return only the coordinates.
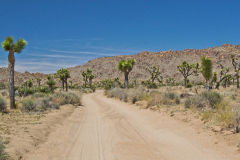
(3, 154)
(25, 91)
(29, 105)
(44, 89)
(3, 106)
(149, 84)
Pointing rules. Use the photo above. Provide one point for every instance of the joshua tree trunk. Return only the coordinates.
(85, 83)
(63, 84)
(90, 83)
(217, 85)
(126, 80)
(39, 83)
(185, 81)
(66, 82)
(11, 62)
(237, 77)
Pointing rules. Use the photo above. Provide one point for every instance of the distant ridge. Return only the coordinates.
(105, 67)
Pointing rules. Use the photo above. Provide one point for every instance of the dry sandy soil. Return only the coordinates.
(107, 129)
(23, 132)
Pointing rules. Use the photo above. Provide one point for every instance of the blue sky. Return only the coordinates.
(64, 33)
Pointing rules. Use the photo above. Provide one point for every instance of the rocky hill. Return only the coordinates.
(20, 78)
(105, 67)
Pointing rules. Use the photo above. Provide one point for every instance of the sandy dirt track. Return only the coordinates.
(107, 129)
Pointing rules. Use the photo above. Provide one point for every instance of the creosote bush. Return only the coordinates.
(2, 105)
(45, 103)
(206, 99)
(29, 105)
(157, 98)
(62, 98)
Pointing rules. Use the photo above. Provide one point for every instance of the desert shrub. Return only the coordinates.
(3, 106)
(155, 98)
(87, 90)
(236, 119)
(127, 95)
(44, 89)
(2, 85)
(66, 98)
(189, 85)
(3, 154)
(171, 95)
(29, 105)
(72, 98)
(158, 98)
(213, 98)
(25, 91)
(149, 84)
(45, 103)
(39, 95)
(205, 99)
(170, 98)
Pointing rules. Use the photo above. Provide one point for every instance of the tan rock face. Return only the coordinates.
(105, 68)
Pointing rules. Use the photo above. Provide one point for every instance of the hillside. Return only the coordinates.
(20, 78)
(105, 67)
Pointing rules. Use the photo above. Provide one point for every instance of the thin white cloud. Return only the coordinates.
(53, 56)
(81, 52)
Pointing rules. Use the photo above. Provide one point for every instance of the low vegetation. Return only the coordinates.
(3, 154)
(213, 106)
(42, 102)
(3, 106)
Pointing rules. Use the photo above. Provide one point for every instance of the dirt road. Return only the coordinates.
(107, 129)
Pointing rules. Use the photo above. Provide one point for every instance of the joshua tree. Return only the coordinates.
(39, 81)
(223, 75)
(51, 83)
(206, 70)
(63, 75)
(88, 77)
(9, 45)
(187, 70)
(84, 74)
(236, 66)
(30, 83)
(126, 67)
(155, 74)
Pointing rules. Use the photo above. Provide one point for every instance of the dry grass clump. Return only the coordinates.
(153, 97)
(45, 103)
(206, 99)
(63, 98)
(127, 95)
(29, 105)
(157, 98)
(42, 102)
